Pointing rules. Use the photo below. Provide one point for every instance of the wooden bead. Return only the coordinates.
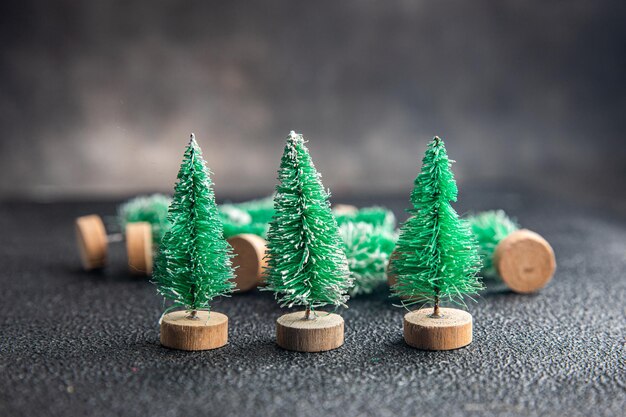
(139, 247)
(344, 209)
(206, 331)
(525, 261)
(324, 332)
(452, 331)
(91, 238)
(249, 262)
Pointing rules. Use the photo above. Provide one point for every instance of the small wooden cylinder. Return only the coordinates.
(344, 209)
(324, 332)
(91, 238)
(452, 331)
(206, 331)
(525, 261)
(139, 248)
(249, 260)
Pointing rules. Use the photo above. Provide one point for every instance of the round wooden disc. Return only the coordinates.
(207, 331)
(344, 209)
(249, 262)
(294, 332)
(525, 261)
(91, 238)
(139, 247)
(452, 331)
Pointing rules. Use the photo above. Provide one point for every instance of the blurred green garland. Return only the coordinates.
(368, 234)
(150, 208)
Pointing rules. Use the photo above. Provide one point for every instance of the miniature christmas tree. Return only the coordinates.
(436, 256)
(193, 265)
(306, 264)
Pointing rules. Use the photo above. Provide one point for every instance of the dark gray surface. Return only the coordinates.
(74, 343)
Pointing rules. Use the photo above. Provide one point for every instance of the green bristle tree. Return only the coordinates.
(436, 256)
(490, 227)
(193, 264)
(306, 263)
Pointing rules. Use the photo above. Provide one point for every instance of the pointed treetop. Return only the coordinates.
(192, 138)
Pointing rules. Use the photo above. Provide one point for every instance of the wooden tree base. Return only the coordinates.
(249, 260)
(91, 238)
(452, 331)
(203, 333)
(294, 332)
(139, 248)
(525, 261)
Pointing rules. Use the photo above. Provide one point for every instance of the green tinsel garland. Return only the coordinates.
(149, 208)
(248, 217)
(368, 249)
(490, 227)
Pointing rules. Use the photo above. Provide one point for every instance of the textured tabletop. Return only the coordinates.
(76, 343)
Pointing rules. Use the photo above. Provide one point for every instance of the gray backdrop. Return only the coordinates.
(98, 97)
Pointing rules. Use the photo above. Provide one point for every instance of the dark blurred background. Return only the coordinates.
(97, 98)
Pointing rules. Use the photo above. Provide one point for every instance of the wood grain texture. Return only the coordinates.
(208, 331)
(92, 242)
(249, 262)
(525, 261)
(452, 331)
(139, 248)
(325, 332)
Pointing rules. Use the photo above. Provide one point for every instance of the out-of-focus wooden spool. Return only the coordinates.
(206, 331)
(92, 241)
(451, 331)
(249, 260)
(323, 332)
(525, 261)
(139, 247)
(344, 209)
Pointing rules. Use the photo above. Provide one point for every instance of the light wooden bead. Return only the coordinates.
(525, 261)
(91, 238)
(249, 251)
(139, 247)
(294, 332)
(207, 331)
(344, 209)
(452, 331)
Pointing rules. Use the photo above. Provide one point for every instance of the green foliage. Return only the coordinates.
(490, 227)
(306, 263)
(249, 217)
(368, 249)
(193, 264)
(437, 254)
(149, 208)
(376, 216)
